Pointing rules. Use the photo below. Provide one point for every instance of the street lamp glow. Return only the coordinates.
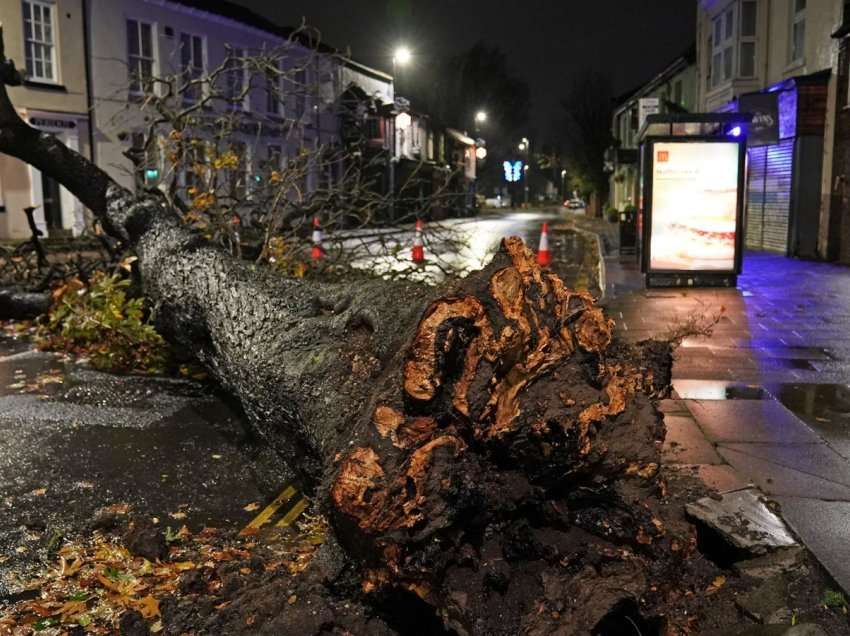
(563, 173)
(481, 116)
(402, 56)
(522, 147)
(481, 152)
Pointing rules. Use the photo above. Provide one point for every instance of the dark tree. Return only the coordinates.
(457, 87)
(587, 129)
(487, 455)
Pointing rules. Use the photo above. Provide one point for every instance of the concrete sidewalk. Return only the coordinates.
(766, 399)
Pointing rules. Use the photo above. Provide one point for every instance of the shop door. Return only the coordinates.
(51, 202)
(769, 196)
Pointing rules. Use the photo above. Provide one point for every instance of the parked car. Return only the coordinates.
(498, 202)
(574, 204)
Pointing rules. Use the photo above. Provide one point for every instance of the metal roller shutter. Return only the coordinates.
(769, 196)
(755, 196)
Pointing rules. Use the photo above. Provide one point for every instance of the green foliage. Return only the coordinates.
(100, 321)
(834, 600)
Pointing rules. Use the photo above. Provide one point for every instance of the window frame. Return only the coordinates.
(238, 69)
(750, 39)
(726, 46)
(797, 19)
(154, 59)
(55, 77)
(279, 99)
(203, 68)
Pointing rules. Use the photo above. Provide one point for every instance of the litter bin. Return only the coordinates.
(628, 231)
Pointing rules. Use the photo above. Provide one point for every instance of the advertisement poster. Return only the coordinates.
(764, 128)
(694, 206)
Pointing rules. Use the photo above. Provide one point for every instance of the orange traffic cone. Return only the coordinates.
(544, 256)
(318, 252)
(418, 249)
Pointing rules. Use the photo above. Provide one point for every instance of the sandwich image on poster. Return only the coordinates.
(694, 206)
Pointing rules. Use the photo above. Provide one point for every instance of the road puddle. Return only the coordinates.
(717, 390)
(820, 405)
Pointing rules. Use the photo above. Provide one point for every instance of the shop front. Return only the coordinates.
(785, 156)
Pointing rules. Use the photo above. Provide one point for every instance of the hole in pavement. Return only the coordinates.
(717, 390)
(716, 549)
(409, 614)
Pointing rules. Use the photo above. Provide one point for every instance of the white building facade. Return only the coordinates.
(46, 40)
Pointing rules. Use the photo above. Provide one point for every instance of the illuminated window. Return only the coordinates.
(140, 56)
(39, 48)
(798, 30)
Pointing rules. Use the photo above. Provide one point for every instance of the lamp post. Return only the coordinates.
(525, 179)
(480, 120)
(401, 57)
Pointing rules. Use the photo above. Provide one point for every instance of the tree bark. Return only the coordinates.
(485, 448)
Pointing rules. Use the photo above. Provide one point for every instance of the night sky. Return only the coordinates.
(547, 40)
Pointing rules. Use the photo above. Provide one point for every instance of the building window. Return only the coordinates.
(274, 91)
(723, 47)
(747, 56)
(275, 157)
(192, 64)
(140, 56)
(300, 92)
(798, 30)
(709, 63)
(39, 48)
(237, 97)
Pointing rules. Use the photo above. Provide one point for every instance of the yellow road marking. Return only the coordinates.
(292, 515)
(287, 494)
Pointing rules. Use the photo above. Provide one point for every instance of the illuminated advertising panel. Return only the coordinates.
(694, 206)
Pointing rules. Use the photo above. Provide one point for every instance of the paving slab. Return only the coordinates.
(750, 421)
(775, 479)
(824, 527)
(743, 519)
(818, 460)
(685, 443)
(721, 477)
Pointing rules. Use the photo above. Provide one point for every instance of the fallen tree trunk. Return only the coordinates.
(484, 450)
(17, 304)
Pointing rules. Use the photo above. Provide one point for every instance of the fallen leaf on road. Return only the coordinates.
(251, 507)
(177, 515)
(148, 607)
(69, 569)
(117, 509)
(39, 492)
(183, 565)
(716, 584)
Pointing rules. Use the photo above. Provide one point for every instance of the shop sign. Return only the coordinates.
(764, 128)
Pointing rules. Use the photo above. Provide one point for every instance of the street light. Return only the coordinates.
(522, 147)
(402, 56)
(481, 117)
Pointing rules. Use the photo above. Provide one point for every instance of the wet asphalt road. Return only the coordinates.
(74, 441)
(457, 246)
